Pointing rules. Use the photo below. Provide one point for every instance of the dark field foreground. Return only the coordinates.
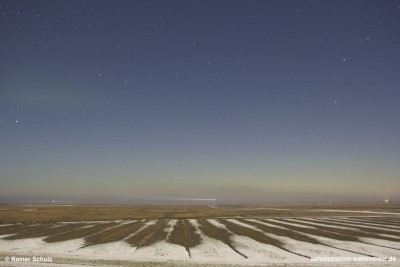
(200, 235)
(75, 213)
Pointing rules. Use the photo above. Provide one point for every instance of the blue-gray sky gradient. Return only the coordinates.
(243, 101)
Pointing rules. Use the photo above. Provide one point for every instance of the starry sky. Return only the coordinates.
(242, 101)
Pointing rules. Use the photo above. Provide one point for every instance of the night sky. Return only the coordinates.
(242, 101)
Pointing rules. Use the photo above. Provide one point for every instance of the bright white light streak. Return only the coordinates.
(194, 199)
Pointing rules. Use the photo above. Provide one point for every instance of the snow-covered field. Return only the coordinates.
(248, 250)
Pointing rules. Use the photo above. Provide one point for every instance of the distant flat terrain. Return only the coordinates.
(74, 213)
(296, 235)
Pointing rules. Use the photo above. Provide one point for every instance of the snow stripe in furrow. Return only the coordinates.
(256, 235)
(113, 234)
(293, 234)
(314, 231)
(372, 220)
(47, 231)
(350, 232)
(388, 218)
(218, 233)
(369, 220)
(217, 223)
(368, 228)
(19, 231)
(267, 224)
(321, 223)
(184, 234)
(358, 222)
(79, 232)
(382, 220)
(280, 231)
(149, 235)
(170, 226)
(295, 224)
